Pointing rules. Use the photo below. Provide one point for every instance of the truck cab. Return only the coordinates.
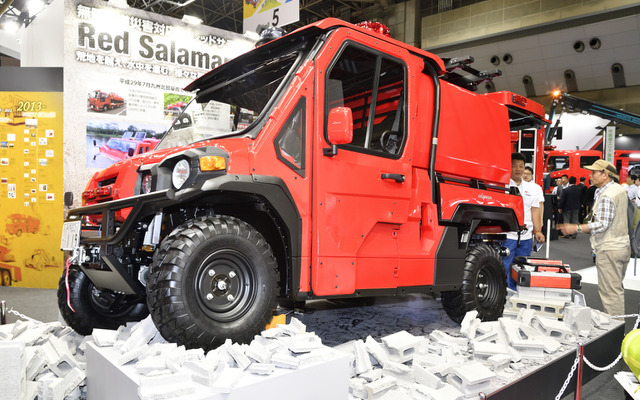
(369, 169)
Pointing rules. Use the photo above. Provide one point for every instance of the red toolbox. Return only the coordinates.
(541, 272)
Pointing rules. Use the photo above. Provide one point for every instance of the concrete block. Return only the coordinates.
(322, 354)
(525, 316)
(12, 370)
(73, 380)
(363, 361)
(141, 334)
(471, 378)
(35, 363)
(284, 360)
(201, 371)
(165, 387)
(53, 389)
(470, 324)
(175, 358)
(34, 333)
(372, 375)
(487, 326)
(429, 359)
(377, 388)
(376, 350)
(499, 362)
(531, 293)
(241, 359)
(553, 328)
(550, 344)
(273, 333)
(356, 388)
(577, 318)
(258, 352)
(19, 326)
(150, 364)
(446, 392)
(227, 379)
(515, 355)
(424, 377)
(402, 345)
(261, 369)
(304, 343)
(448, 340)
(600, 319)
(549, 308)
(294, 327)
(132, 354)
(487, 349)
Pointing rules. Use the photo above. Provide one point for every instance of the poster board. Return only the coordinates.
(31, 187)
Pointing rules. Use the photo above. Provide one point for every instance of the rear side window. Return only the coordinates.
(373, 87)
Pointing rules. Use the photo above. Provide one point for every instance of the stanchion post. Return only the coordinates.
(3, 312)
(548, 238)
(579, 372)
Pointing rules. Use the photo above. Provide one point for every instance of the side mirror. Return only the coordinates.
(68, 199)
(95, 143)
(131, 151)
(339, 129)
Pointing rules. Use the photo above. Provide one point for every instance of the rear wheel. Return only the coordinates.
(212, 279)
(484, 287)
(95, 308)
(6, 278)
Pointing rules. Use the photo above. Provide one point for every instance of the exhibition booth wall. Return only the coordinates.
(122, 71)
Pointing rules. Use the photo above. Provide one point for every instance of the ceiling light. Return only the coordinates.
(190, 19)
(10, 26)
(34, 7)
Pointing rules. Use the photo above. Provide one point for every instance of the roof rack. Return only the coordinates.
(457, 67)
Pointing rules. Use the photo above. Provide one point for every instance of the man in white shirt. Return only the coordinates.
(531, 197)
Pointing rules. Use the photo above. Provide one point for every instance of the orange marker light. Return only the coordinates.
(212, 163)
(556, 93)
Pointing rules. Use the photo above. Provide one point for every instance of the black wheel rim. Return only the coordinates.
(487, 286)
(225, 285)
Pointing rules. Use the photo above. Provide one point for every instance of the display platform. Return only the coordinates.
(546, 381)
(107, 381)
(629, 383)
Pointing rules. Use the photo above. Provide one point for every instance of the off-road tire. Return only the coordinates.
(96, 308)
(484, 287)
(193, 308)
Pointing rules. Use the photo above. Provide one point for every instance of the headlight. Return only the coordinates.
(146, 183)
(180, 173)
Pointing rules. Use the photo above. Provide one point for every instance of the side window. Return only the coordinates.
(588, 160)
(289, 142)
(373, 87)
(557, 163)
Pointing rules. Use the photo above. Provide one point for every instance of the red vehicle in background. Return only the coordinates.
(573, 163)
(371, 168)
(17, 224)
(128, 145)
(102, 101)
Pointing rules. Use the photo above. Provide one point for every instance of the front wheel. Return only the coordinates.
(95, 308)
(484, 287)
(211, 279)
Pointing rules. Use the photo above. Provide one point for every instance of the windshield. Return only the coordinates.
(231, 103)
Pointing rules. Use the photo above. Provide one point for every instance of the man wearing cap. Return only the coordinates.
(609, 235)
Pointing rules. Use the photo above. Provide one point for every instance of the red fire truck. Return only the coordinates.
(102, 101)
(372, 168)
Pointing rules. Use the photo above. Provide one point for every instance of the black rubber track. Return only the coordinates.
(95, 308)
(179, 283)
(484, 287)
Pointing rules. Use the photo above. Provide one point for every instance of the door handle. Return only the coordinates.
(399, 178)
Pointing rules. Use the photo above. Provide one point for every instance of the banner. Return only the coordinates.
(124, 74)
(31, 151)
(266, 13)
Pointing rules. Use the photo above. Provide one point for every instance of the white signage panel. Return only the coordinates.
(609, 143)
(269, 13)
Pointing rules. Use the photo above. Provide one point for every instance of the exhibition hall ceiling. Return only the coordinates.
(226, 14)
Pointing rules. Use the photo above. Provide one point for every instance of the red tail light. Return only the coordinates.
(88, 195)
(103, 191)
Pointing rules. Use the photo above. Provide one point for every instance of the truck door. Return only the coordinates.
(361, 194)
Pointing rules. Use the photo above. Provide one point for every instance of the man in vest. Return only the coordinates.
(609, 235)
